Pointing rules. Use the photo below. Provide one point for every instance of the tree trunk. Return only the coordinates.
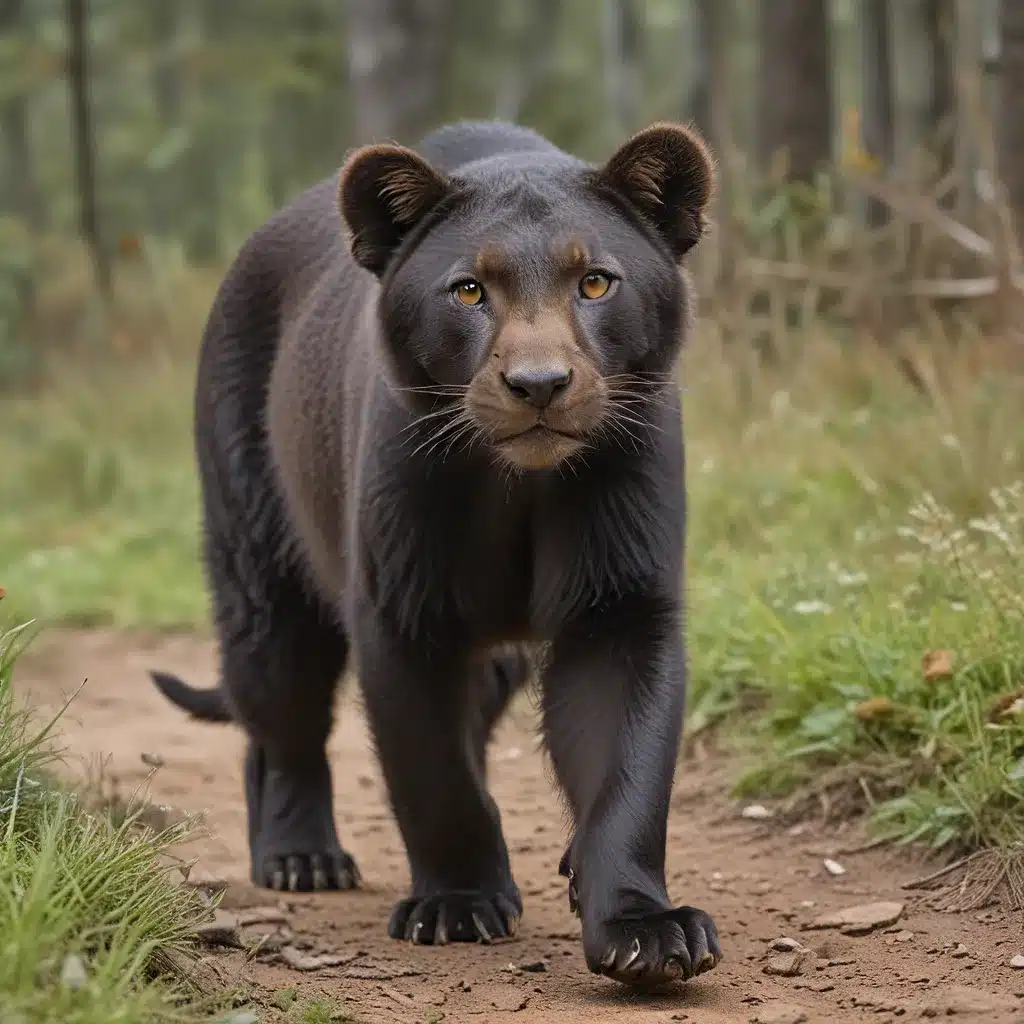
(168, 94)
(530, 59)
(22, 187)
(622, 34)
(1011, 116)
(877, 127)
(711, 111)
(397, 51)
(794, 101)
(941, 20)
(84, 139)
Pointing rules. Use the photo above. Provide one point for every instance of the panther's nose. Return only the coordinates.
(538, 385)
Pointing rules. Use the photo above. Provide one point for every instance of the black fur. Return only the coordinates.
(371, 481)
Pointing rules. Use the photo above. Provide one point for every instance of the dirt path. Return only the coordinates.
(760, 883)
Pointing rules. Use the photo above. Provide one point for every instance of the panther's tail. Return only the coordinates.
(206, 705)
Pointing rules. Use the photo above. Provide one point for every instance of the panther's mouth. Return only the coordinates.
(539, 431)
(540, 446)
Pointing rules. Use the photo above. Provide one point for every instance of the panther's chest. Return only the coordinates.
(484, 567)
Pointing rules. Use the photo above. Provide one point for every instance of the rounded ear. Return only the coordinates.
(383, 192)
(667, 173)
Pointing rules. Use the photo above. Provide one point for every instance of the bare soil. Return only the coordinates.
(762, 882)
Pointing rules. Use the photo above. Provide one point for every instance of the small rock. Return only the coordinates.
(903, 936)
(959, 951)
(241, 1018)
(756, 812)
(73, 974)
(833, 867)
(152, 760)
(537, 967)
(860, 920)
(221, 931)
(299, 961)
(786, 945)
(790, 965)
(261, 915)
(1017, 963)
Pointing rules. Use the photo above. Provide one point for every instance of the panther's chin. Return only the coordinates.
(539, 447)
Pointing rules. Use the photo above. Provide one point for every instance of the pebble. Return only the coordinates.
(1017, 963)
(861, 920)
(756, 812)
(221, 931)
(536, 967)
(786, 945)
(73, 974)
(833, 867)
(790, 965)
(959, 951)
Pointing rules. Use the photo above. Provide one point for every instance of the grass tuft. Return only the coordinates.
(86, 906)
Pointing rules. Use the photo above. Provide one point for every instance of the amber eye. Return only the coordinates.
(469, 293)
(594, 286)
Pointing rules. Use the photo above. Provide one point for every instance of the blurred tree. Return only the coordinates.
(622, 38)
(530, 46)
(77, 14)
(21, 186)
(1011, 108)
(939, 26)
(794, 92)
(877, 116)
(711, 103)
(397, 53)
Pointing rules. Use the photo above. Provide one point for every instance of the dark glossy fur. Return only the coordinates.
(371, 487)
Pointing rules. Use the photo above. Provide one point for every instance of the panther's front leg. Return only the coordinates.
(420, 714)
(613, 705)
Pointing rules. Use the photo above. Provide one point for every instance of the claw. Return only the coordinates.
(277, 879)
(513, 925)
(609, 959)
(633, 954)
(417, 928)
(674, 970)
(481, 930)
(320, 877)
(441, 928)
(707, 961)
(350, 870)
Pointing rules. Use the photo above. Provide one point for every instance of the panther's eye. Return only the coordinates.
(469, 293)
(595, 285)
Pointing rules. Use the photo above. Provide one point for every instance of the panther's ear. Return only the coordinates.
(667, 173)
(383, 192)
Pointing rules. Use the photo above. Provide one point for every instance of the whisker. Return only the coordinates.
(436, 414)
(438, 435)
(437, 389)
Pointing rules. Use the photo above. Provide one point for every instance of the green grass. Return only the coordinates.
(844, 523)
(87, 910)
(844, 527)
(98, 500)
